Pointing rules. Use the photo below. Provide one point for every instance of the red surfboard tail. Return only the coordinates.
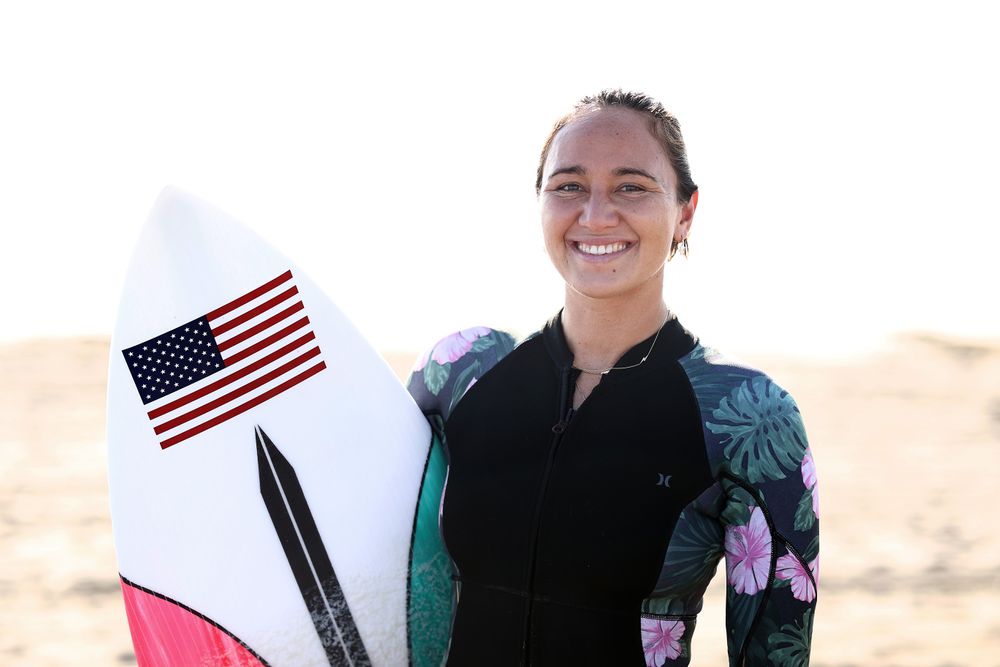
(166, 633)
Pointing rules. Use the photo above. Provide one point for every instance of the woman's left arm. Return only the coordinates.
(771, 531)
(768, 509)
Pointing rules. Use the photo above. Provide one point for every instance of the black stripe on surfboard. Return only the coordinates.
(307, 557)
(197, 613)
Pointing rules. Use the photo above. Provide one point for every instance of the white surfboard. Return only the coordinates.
(264, 462)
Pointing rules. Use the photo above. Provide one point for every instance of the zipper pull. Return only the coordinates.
(563, 423)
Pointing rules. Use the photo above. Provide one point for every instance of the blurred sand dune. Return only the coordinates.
(907, 445)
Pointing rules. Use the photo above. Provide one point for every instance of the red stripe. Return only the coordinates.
(240, 409)
(236, 393)
(229, 379)
(249, 296)
(254, 312)
(257, 328)
(264, 342)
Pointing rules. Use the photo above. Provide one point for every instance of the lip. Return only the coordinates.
(608, 257)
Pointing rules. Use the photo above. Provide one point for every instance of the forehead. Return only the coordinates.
(609, 139)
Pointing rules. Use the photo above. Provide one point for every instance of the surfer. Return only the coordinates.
(599, 471)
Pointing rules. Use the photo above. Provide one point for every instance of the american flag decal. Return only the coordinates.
(220, 365)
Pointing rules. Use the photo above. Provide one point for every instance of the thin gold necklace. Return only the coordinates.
(598, 371)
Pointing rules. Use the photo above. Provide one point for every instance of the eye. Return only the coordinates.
(632, 187)
(568, 187)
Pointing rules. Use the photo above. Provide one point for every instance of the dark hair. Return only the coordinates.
(663, 125)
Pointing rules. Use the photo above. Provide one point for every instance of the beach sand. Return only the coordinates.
(906, 442)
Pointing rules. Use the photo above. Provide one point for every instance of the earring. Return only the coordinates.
(682, 246)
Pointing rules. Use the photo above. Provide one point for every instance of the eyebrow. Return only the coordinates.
(620, 171)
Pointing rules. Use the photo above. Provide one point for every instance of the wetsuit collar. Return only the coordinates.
(674, 342)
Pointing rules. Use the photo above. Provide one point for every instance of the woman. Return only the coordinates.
(597, 472)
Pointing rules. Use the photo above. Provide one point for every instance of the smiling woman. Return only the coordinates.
(597, 472)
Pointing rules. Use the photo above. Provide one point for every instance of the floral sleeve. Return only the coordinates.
(769, 509)
(438, 381)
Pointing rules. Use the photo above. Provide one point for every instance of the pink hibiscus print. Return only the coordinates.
(809, 479)
(748, 554)
(791, 569)
(661, 640)
(453, 347)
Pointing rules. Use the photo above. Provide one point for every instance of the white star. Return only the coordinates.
(186, 349)
(175, 384)
(130, 354)
(171, 372)
(171, 354)
(159, 342)
(213, 354)
(173, 335)
(135, 363)
(163, 391)
(144, 347)
(187, 328)
(147, 395)
(140, 356)
(143, 386)
(143, 368)
(203, 372)
(217, 365)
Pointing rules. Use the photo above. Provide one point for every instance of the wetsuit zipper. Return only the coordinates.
(565, 413)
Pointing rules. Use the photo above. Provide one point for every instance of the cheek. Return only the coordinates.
(553, 230)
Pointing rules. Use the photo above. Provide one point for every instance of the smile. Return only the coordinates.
(608, 249)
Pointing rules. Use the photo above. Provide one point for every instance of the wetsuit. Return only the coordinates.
(588, 537)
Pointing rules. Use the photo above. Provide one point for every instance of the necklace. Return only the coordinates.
(605, 371)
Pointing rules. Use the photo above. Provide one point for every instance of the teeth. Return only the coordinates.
(601, 249)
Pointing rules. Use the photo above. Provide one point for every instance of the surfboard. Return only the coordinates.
(264, 462)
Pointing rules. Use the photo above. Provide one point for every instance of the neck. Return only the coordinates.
(600, 331)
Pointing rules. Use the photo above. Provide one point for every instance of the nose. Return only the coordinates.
(599, 212)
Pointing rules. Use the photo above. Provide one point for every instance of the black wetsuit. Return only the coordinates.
(588, 537)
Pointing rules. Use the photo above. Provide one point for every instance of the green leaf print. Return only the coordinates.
(692, 557)
(740, 610)
(711, 378)
(435, 375)
(462, 383)
(804, 517)
(812, 551)
(483, 343)
(762, 428)
(789, 647)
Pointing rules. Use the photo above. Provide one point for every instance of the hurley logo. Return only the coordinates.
(664, 480)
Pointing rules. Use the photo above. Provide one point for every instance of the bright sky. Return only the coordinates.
(846, 153)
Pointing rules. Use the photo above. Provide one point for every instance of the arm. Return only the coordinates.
(771, 527)
(439, 380)
(760, 456)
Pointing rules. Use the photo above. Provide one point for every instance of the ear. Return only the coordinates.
(687, 217)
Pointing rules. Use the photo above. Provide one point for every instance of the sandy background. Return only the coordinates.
(907, 445)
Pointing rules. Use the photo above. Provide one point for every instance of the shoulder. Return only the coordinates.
(446, 370)
(753, 427)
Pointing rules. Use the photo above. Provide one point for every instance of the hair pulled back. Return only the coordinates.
(663, 125)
